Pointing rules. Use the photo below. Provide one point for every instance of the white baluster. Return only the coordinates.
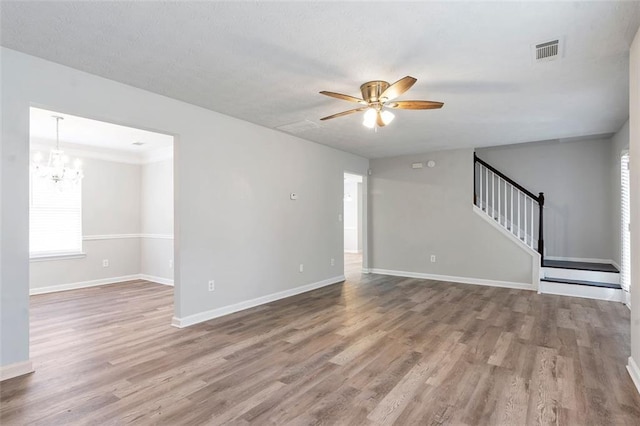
(511, 198)
(499, 207)
(518, 193)
(480, 184)
(532, 222)
(525, 218)
(486, 190)
(493, 194)
(505, 204)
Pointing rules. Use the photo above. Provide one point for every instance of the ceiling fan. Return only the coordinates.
(378, 95)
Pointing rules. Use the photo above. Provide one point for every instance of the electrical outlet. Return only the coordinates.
(333, 262)
(302, 267)
(433, 258)
(339, 217)
(170, 263)
(105, 263)
(212, 285)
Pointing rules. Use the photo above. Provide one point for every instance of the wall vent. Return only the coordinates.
(547, 51)
(298, 127)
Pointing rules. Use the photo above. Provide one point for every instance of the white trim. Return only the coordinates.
(448, 278)
(83, 284)
(582, 259)
(584, 291)
(157, 280)
(353, 251)
(634, 372)
(16, 369)
(61, 256)
(158, 236)
(119, 236)
(230, 309)
(109, 237)
(366, 270)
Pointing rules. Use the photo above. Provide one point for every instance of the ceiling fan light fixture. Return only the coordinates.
(387, 117)
(370, 118)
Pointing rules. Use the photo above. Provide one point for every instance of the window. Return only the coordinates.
(55, 219)
(625, 276)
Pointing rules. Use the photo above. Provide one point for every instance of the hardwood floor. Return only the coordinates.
(373, 350)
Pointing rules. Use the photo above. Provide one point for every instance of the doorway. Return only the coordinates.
(101, 203)
(353, 223)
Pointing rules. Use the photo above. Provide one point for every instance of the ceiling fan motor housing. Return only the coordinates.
(371, 90)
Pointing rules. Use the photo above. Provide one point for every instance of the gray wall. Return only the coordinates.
(619, 143)
(110, 205)
(419, 212)
(575, 177)
(234, 220)
(157, 219)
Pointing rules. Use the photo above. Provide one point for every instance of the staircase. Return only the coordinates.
(521, 213)
(581, 279)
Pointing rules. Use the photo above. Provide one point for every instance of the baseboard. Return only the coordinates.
(16, 369)
(226, 310)
(83, 284)
(157, 280)
(448, 278)
(634, 372)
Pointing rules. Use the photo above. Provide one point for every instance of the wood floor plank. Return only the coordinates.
(370, 351)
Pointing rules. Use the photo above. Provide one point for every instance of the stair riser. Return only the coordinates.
(587, 292)
(577, 274)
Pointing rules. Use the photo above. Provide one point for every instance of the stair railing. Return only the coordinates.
(510, 204)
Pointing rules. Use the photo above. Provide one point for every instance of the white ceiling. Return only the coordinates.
(97, 134)
(266, 62)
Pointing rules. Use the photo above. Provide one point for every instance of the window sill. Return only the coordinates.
(59, 256)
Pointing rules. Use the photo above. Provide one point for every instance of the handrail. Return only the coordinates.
(537, 198)
(476, 159)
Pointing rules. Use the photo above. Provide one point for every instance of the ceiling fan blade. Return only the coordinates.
(415, 105)
(398, 88)
(340, 114)
(344, 97)
(379, 120)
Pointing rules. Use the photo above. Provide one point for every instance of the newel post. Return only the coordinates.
(540, 227)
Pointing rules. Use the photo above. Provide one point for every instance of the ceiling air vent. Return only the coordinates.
(547, 51)
(299, 127)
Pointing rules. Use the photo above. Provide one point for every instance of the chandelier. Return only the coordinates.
(56, 170)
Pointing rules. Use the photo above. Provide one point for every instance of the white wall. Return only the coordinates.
(234, 221)
(419, 212)
(619, 143)
(634, 150)
(157, 220)
(575, 177)
(110, 207)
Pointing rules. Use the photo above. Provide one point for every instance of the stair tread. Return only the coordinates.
(581, 282)
(583, 266)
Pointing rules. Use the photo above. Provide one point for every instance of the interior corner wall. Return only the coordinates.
(156, 243)
(417, 213)
(234, 221)
(110, 210)
(575, 177)
(634, 151)
(619, 143)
